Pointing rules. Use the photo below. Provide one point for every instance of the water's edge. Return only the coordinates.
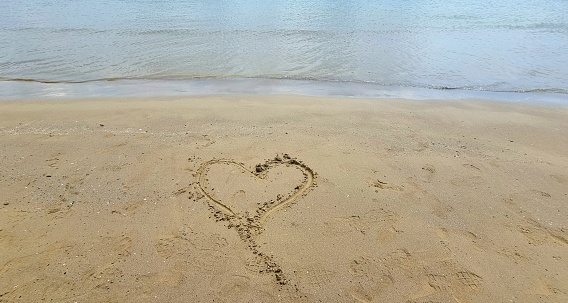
(24, 89)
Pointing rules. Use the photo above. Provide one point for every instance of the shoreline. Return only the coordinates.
(370, 200)
(21, 90)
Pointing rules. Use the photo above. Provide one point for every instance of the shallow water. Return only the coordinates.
(495, 46)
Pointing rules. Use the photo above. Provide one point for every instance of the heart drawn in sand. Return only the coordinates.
(235, 192)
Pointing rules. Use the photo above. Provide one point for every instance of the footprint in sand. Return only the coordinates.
(445, 280)
(461, 238)
(383, 185)
(449, 280)
(562, 179)
(204, 253)
(314, 275)
(379, 222)
(52, 271)
(439, 208)
(372, 277)
(538, 217)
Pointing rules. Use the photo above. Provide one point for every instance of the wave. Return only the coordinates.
(178, 78)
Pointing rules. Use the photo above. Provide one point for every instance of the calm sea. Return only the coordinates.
(351, 47)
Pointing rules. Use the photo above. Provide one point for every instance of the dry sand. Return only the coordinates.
(283, 198)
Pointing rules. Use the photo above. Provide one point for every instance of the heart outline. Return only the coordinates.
(268, 208)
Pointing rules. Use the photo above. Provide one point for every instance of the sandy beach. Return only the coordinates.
(283, 199)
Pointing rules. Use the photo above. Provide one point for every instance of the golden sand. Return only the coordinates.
(283, 198)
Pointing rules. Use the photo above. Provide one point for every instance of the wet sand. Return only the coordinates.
(283, 198)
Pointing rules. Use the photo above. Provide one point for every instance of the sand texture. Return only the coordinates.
(282, 199)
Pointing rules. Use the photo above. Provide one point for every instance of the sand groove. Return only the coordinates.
(269, 207)
(249, 226)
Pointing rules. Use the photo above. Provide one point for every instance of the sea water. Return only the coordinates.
(393, 48)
